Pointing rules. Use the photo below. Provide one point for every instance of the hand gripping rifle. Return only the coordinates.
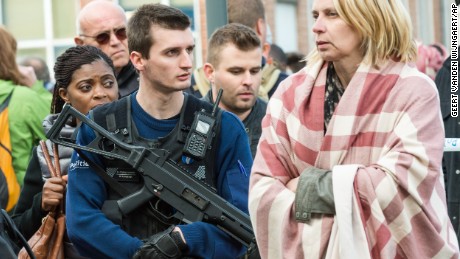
(192, 199)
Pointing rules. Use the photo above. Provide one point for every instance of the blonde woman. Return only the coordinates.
(349, 162)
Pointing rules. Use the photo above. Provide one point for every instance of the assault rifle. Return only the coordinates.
(192, 199)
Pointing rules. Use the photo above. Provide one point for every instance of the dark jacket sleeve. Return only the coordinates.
(443, 83)
(451, 160)
(28, 213)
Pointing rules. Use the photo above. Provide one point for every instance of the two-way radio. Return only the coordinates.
(201, 134)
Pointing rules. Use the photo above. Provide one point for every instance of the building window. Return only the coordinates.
(286, 26)
(51, 31)
(425, 21)
(63, 22)
(185, 6)
(131, 5)
(13, 19)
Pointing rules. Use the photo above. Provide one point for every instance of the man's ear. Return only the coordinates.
(261, 28)
(266, 50)
(261, 31)
(78, 41)
(270, 60)
(137, 60)
(209, 72)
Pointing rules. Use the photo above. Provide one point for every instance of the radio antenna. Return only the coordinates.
(216, 104)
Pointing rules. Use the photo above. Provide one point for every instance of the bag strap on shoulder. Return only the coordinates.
(6, 101)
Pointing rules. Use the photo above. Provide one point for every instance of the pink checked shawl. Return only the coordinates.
(384, 146)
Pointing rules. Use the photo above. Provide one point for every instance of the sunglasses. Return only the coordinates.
(104, 37)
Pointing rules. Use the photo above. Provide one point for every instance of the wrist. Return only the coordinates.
(179, 240)
(167, 244)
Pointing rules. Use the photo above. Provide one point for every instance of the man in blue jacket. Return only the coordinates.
(161, 45)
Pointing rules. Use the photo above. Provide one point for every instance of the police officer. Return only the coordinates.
(161, 49)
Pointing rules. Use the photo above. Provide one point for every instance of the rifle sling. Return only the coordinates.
(116, 186)
(110, 207)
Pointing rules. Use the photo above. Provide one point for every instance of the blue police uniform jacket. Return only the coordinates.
(96, 236)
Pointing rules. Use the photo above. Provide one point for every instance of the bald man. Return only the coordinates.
(102, 24)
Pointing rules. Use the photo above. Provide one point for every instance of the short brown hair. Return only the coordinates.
(139, 26)
(246, 12)
(243, 37)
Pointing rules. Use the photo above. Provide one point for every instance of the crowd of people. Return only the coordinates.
(334, 154)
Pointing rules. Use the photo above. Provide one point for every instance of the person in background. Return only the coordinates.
(102, 24)
(85, 78)
(277, 57)
(233, 65)
(451, 160)
(252, 14)
(295, 62)
(27, 108)
(161, 45)
(349, 161)
(41, 71)
(430, 58)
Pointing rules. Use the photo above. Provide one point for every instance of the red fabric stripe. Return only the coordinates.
(375, 93)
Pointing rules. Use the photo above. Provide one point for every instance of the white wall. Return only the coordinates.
(425, 19)
(286, 28)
